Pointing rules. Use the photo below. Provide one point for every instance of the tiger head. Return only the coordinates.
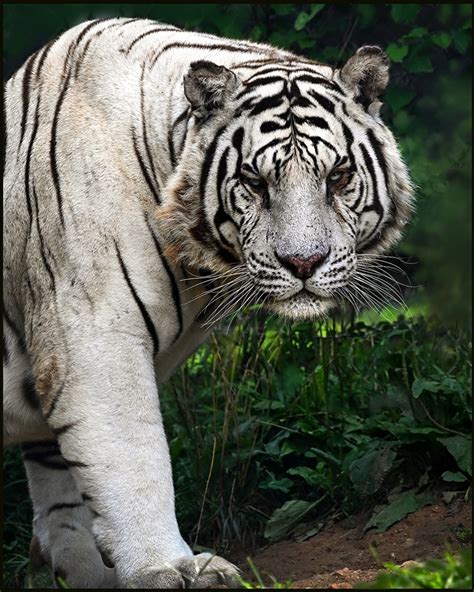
(288, 177)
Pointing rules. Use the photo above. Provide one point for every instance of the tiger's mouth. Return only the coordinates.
(304, 305)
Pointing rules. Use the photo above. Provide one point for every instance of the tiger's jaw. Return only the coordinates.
(302, 306)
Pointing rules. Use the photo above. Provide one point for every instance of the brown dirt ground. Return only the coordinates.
(339, 557)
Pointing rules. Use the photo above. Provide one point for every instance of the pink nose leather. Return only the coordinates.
(300, 267)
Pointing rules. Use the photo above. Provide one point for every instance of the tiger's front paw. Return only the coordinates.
(201, 571)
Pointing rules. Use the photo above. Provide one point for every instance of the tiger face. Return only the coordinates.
(289, 176)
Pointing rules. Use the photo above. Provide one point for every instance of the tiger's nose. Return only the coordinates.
(303, 267)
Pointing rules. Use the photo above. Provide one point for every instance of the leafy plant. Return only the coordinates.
(452, 573)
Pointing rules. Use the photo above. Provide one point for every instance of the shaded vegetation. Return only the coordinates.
(292, 422)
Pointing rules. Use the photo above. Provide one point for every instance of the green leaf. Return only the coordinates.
(311, 476)
(305, 17)
(397, 52)
(398, 98)
(402, 122)
(403, 504)
(283, 519)
(367, 13)
(418, 64)
(283, 9)
(283, 485)
(367, 473)
(442, 39)
(404, 13)
(450, 476)
(292, 378)
(444, 13)
(460, 448)
(416, 33)
(462, 40)
(421, 385)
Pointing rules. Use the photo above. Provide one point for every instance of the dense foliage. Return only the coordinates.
(275, 429)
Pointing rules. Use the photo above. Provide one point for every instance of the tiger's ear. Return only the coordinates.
(207, 86)
(366, 73)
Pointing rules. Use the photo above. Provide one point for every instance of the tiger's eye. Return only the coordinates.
(254, 183)
(337, 180)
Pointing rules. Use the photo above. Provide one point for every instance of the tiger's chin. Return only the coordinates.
(303, 306)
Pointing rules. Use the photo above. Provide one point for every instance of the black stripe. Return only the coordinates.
(63, 429)
(52, 407)
(315, 121)
(269, 127)
(257, 83)
(53, 465)
(171, 148)
(56, 507)
(44, 54)
(145, 138)
(144, 169)
(41, 241)
(319, 80)
(205, 233)
(377, 148)
(86, 497)
(181, 117)
(267, 103)
(74, 463)
(29, 392)
(174, 286)
(26, 95)
(67, 526)
(53, 146)
(81, 59)
(222, 46)
(28, 164)
(153, 31)
(349, 137)
(146, 317)
(376, 206)
(273, 142)
(221, 216)
(323, 101)
(40, 455)
(207, 163)
(48, 444)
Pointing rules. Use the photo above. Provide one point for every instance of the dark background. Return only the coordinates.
(428, 104)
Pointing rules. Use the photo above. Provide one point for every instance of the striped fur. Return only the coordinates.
(155, 181)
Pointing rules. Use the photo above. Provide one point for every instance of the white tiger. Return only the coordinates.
(139, 155)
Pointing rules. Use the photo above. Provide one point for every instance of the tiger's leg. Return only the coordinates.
(106, 411)
(62, 524)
